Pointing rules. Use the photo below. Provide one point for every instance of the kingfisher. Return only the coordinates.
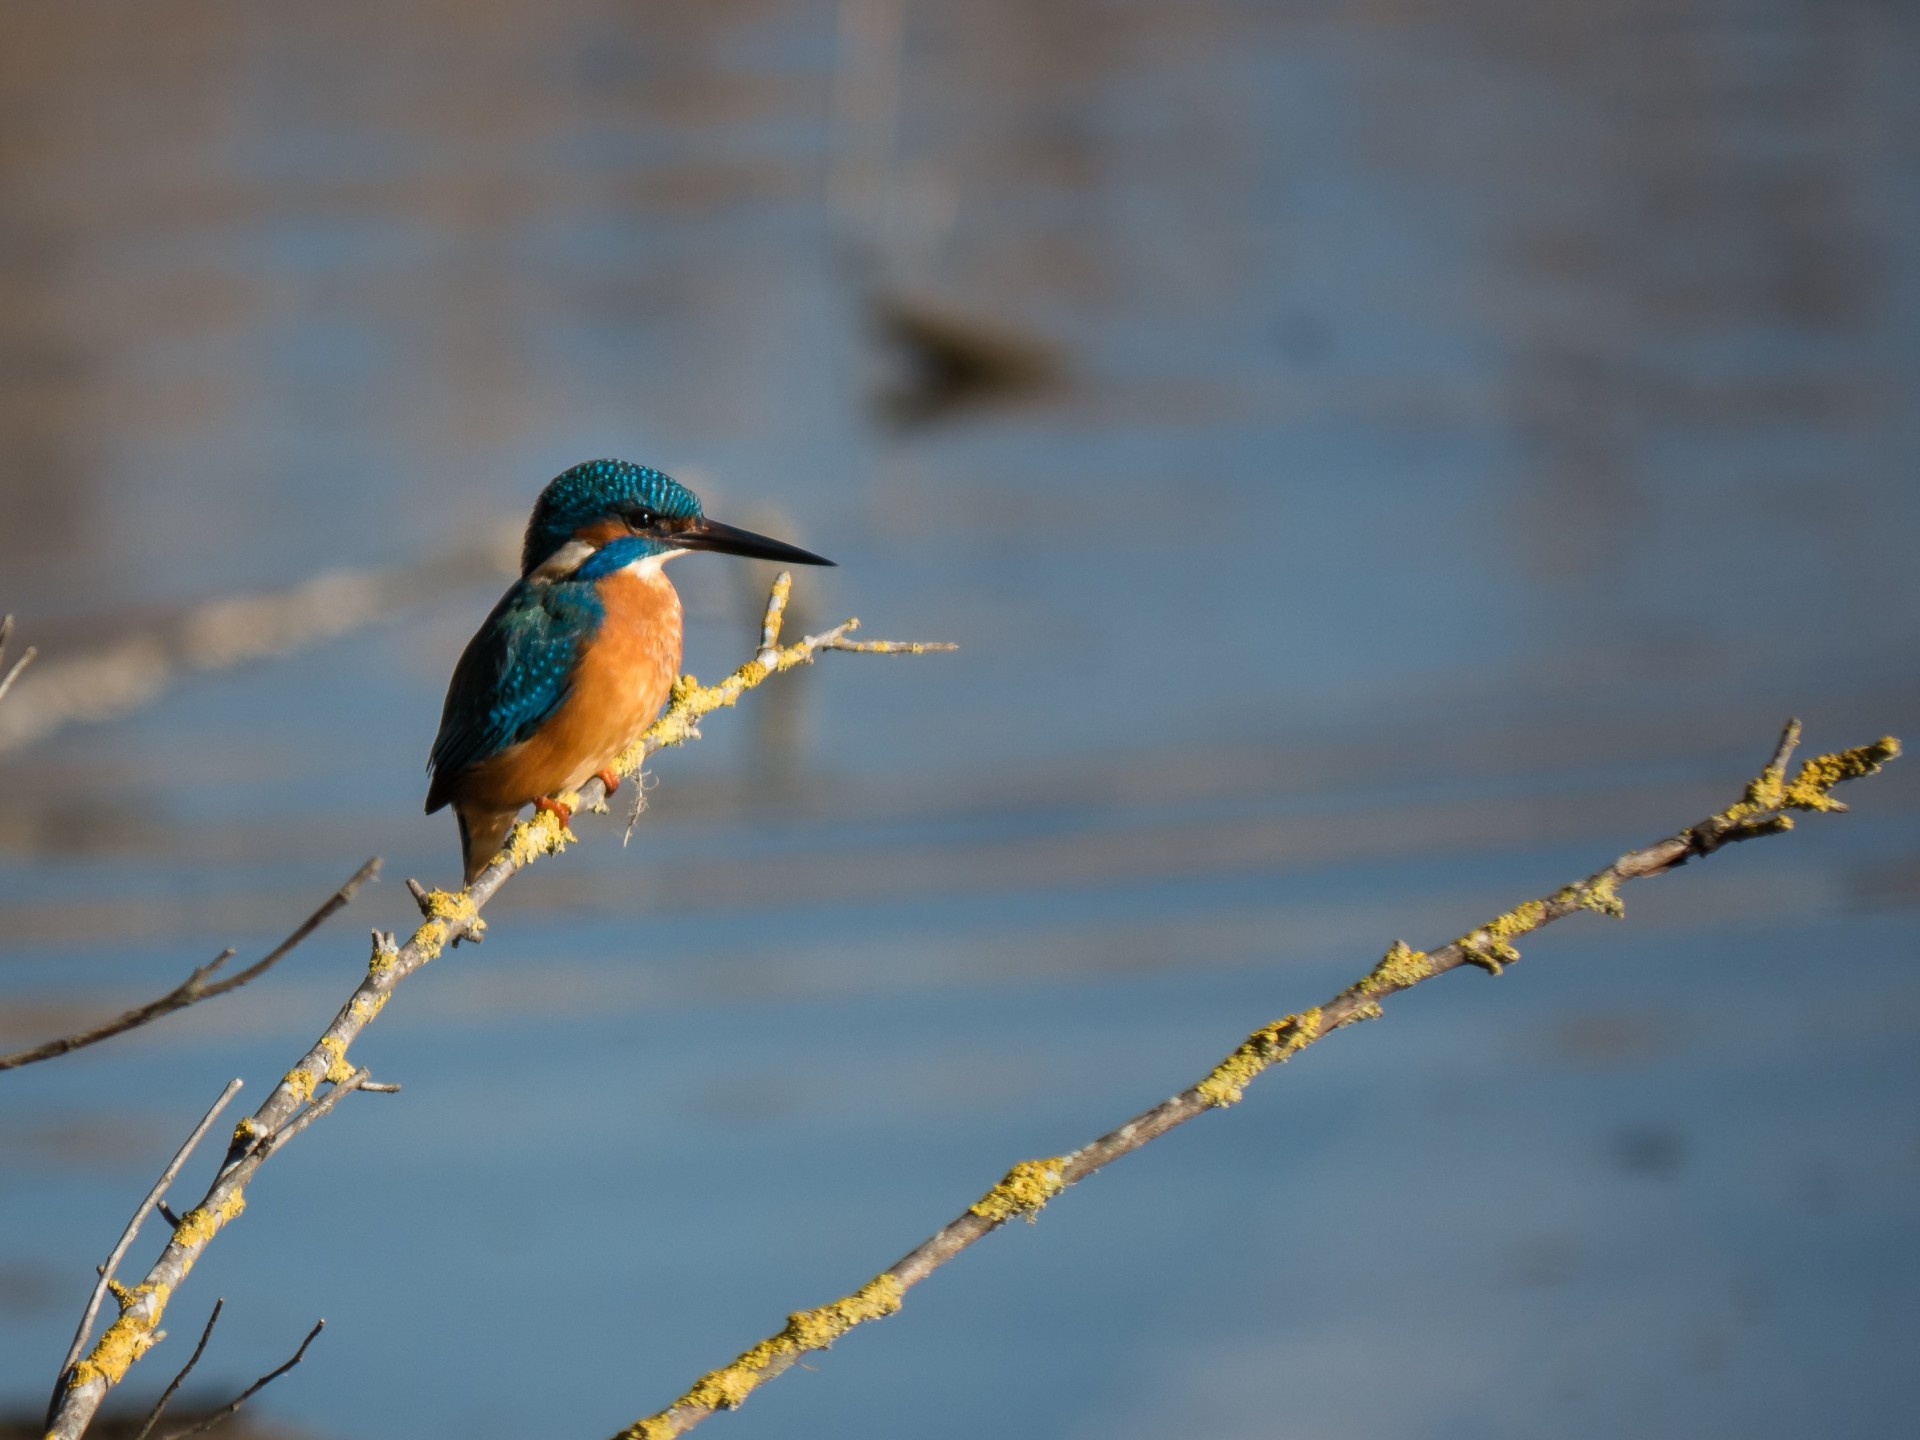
(580, 653)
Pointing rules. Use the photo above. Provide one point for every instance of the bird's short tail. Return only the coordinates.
(482, 832)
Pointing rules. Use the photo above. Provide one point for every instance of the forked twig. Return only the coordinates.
(207, 1422)
(195, 988)
(153, 1415)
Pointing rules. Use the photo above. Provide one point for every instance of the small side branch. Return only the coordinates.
(196, 987)
(1765, 809)
(209, 1421)
(173, 1386)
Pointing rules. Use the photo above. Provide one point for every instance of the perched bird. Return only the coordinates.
(580, 654)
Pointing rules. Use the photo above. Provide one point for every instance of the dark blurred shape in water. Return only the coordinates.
(1652, 1152)
(940, 361)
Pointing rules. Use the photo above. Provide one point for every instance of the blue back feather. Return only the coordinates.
(513, 674)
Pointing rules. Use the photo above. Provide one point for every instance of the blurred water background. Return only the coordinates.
(1380, 460)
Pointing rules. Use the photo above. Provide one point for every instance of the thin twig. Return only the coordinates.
(1765, 809)
(776, 611)
(153, 1415)
(207, 1422)
(26, 657)
(317, 1110)
(133, 1229)
(195, 988)
(451, 916)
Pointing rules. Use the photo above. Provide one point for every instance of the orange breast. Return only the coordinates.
(623, 678)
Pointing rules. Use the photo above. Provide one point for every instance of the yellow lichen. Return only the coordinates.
(302, 1082)
(727, 1387)
(365, 1007)
(429, 940)
(451, 912)
(199, 1225)
(541, 833)
(1489, 946)
(338, 1070)
(1269, 1045)
(1517, 921)
(1600, 894)
(1399, 968)
(456, 907)
(245, 1133)
(1026, 1188)
(1809, 790)
(1766, 790)
(383, 958)
(126, 1340)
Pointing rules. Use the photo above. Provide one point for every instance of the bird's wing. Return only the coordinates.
(513, 674)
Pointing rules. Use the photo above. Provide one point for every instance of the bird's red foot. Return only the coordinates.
(563, 813)
(608, 779)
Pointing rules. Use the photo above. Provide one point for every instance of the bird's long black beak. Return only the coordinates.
(706, 534)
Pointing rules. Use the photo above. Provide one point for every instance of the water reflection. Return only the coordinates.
(1463, 435)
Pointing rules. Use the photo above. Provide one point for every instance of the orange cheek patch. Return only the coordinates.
(600, 532)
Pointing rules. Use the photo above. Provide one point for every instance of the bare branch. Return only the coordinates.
(135, 669)
(209, 1421)
(450, 916)
(195, 988)
(153, 1415)
(1764, 810)
(127, 1235)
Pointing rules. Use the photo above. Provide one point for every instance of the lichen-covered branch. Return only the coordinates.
(1766, 808)
(155, 1198)
(449, 918)
(198, 986)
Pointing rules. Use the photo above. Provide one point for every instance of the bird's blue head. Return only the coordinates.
(603, 515)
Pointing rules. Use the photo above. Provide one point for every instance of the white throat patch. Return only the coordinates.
(575, 553)
(563, 562)
(650, 564)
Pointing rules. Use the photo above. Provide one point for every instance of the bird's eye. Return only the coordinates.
(640, 517)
